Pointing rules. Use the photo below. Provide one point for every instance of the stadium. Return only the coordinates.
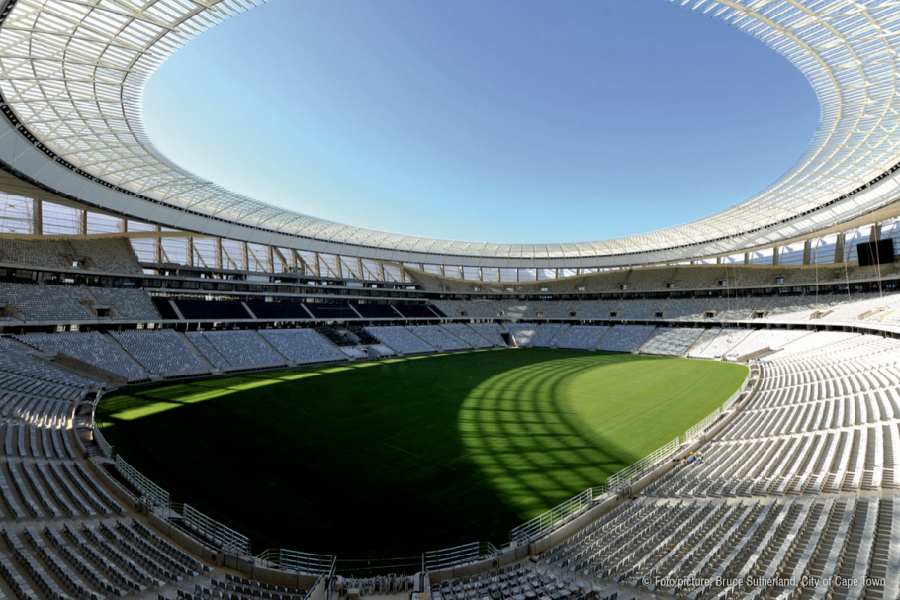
(205, 395)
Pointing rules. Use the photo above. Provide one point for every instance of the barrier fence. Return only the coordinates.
(556, 516)
(369, 567)
(220, 535)
(154, 494)
(457, 555)
(695, 431)
(105, 447)
(636, 470)
(551, 519)
(301, 562)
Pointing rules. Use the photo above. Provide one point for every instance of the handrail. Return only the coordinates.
(105, 447)
(457, 555)
(698, 428)
(301, 562)
(626, 476)
(148, 490)
(551, 519)
(216, 532)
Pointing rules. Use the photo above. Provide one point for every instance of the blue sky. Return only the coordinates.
(505, 121)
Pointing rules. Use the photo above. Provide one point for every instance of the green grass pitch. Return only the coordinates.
(395, 457)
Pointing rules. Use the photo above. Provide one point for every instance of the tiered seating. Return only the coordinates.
(399, 339)
(671, 341)
(546, 334)
(165, 353)
(235, 587)
(326, 310)
(61, 303)
(277, 310)
(92, 348)
(237, 350)
(523, 334)
(415, 311)
(16, 359)
(718, 342)
(790, 307)
(203, 310)
(625, 338)
(208, 350)
(511, 583)
(467, 335)
(764, 340)
(107, 255)
(438, 337)
(302, 346)
(581, 337)
(489, 331)
(45, 303)
(800, 481)
(127, 303)
(376, 311)
(824, 420)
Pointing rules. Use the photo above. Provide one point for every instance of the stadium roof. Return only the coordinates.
(72, 74)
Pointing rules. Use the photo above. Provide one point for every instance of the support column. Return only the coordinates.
(875, 232)
(157, 247)
(219, 254)
(37, 216)
(776, 258)
(839, 248)
(245, 256)
(807, 252)
(746, 258)
(190, 251)
(82, 225)
(270, 259)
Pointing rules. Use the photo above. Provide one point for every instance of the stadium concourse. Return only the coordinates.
(796, 494)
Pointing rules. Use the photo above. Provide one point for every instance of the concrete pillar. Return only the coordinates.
(37, 216)
(875, 232)
(158, 249)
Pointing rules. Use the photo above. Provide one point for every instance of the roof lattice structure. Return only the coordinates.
(72, 74)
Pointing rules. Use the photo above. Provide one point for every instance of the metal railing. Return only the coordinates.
(561, 513)
(634, 471)
(370, 567)
(218, 534)
(553, 518)
(697, 429)
(301, 562)
(558, 515)
(148, 490)
(105, 447)
(457, 555)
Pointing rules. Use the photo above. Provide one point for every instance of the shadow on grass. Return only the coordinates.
(379, 460)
